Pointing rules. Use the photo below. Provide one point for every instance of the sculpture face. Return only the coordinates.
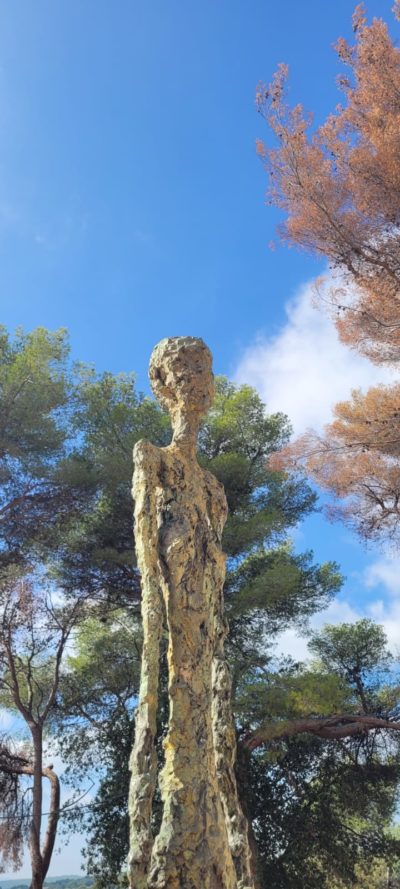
(181, 375)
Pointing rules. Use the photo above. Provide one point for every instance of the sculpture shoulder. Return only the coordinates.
(146, 473)
(147, 461)
(145, 452)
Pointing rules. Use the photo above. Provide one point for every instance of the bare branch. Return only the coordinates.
(330, 728)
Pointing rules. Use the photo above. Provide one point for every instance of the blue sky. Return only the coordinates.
(132, 207)
(132, 201)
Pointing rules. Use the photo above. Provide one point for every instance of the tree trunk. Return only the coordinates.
(37, 799)
(40, 859)
(52, 820)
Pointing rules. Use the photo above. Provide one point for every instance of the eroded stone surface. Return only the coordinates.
(180, 512)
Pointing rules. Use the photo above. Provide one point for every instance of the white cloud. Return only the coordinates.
(383, 575)
(304, 369)
(339, 611)
(387, 614)
(384, 572)
(292, 644)
(6, 719)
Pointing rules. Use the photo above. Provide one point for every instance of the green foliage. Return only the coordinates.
(378, 874)
(321, 809)
(352, 648)
(103, 673)
(291, 692)
(358, 654)
(109, 417)
(33, 385)
(318, 814)
(235, 441)
(34, 393)
(287, 585)
(237, 423)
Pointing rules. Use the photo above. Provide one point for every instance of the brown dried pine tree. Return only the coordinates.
(339, 186)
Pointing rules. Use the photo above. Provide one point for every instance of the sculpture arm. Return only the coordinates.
(143, 761)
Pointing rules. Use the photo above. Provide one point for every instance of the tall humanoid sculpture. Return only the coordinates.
(180, 512)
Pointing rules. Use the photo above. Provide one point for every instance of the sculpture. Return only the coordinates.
(180, 512)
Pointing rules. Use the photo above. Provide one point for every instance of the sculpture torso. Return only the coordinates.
(187, 509)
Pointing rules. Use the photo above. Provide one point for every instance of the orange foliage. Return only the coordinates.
(357, 459)
(340, 189)
(340, 186)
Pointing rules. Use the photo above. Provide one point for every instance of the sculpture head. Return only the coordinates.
(181, 378)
